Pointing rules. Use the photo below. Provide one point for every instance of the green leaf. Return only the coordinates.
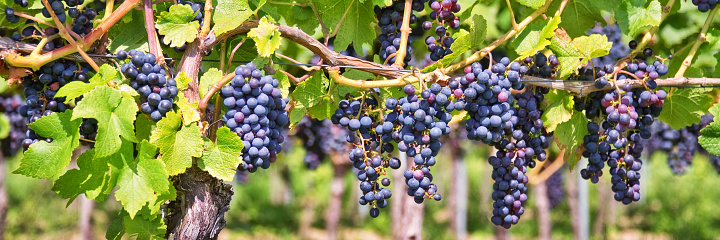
(580, 15)
(534, 4)
(4, 126)
(717, 66)
(632, 15)
(535, 37)
(312, 90)
(683, 107)
(208, 79)
(302, 17)
(177, 25)
(75, 89)
(143, 127)
(143, 228)
(126, 35)
(710, 135)
(91, 178)
(573, 53)
(296, 114)
(266, 37)
(187, 110)
(713, 37)
(141, 180)
(229, 14)
(570, 137)
(558, 108)
(115, 230)
(356, 28)
(478, 31)
(283, 83)
(48, 160)
(222, 157)
(323, 110)
(178, 144)
(182, 81)
(115, 115)
(462, 44)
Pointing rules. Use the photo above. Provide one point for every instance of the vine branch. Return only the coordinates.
(699, 41)
(150, 29)
(404, 33)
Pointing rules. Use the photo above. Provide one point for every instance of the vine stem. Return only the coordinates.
(404, 33)
(699, 41)
(541, 176)
(109, 5)
(208, 17)
(150, 29)
(512, 16)
(202, 105)
(17, 60)
(480, 54)
(19, 14)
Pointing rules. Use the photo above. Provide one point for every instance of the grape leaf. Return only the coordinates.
(294, 14)
(632, 15)
(283, 83)
(4, 126)
(126, 35)
(266, 37)
(580, 15)
(534, 4)
(48, 160)
(229, 14)
(713, 37)
(143, 127)
(187, 110)
(178, 144)
(356, 27)
(312, 90)
(683, 107)
(535, 37)
(573, 53)
(143, 228)
(570, 137)
(558, 108)
(74, 89)
(141, 180)
(222, 157)
(208, 79)
(115, 230)
(323, 110)
(177, 25)
(91, 178)
(710, 135)
(115, 115)
(478, 31)
(182, 81)
(296, 113)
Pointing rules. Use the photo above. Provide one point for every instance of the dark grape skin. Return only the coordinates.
(151, 81)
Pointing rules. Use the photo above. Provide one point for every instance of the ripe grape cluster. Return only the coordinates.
(156, 87)
(370, 153)
(421, 121)
(40, 89)
(83, 22)
(680, 145)
(705, 5)
(256, 112)
(10, 105)
(320, 138)
(538, 66)
(443, 14)
(390, 20)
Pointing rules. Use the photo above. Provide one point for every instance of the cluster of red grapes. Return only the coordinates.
(320, 138)
(390, 20)
(156, 87)
(10, 105)
(443, 14)
(680, 145)
(705, 5)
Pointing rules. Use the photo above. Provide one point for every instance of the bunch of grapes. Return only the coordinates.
(680, 145)
(390, 20)
(705, 5)
(485, 95)
(370, 154)
(320, 138)
(421, 122)
(555, 192)
(256, 112)
(40, 89)
(156, 87)
(618, 49)
(538, 66)
(443, 14)
(10, 105)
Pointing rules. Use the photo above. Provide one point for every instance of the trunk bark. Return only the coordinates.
(199, 210)
(543, 210)
(85, 220)
(572, 191)
(457, 200)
